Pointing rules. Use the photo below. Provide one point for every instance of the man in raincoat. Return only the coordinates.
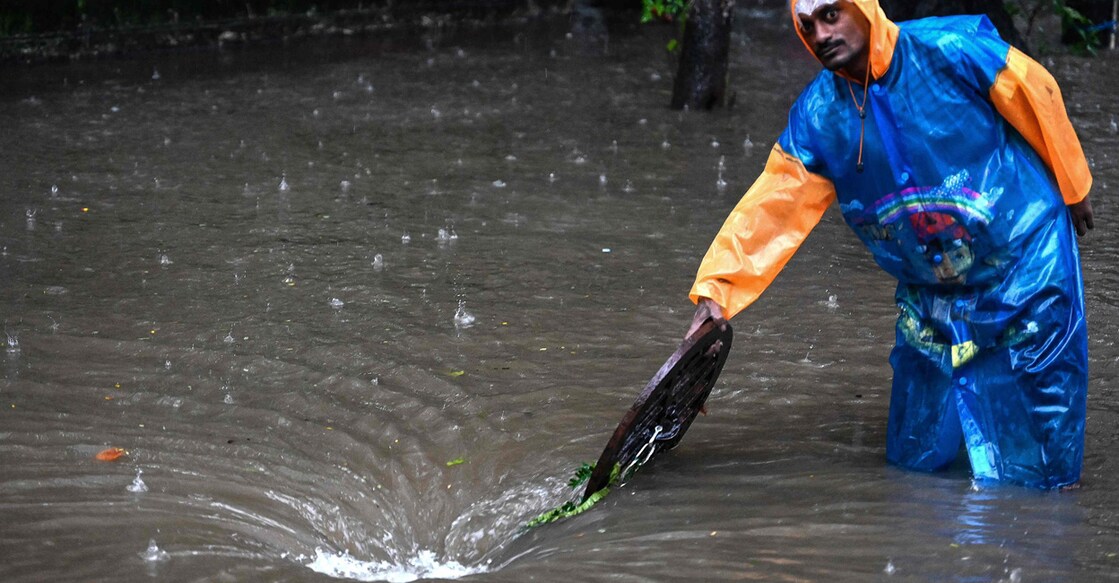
(952, 158)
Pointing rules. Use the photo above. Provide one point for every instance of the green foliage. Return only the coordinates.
(668, 10)
(13, 24)
(573, 507)
(1087, 39)
(581, 475)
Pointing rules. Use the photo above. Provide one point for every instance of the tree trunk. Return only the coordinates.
(701, 77)
(994, 9)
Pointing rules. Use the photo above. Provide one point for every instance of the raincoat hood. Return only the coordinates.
(883, 34)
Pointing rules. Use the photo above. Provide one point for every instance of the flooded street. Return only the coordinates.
(359, 307)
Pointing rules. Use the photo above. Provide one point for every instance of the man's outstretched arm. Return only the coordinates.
(762, 233)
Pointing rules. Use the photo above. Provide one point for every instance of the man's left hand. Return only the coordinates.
(1081, 213)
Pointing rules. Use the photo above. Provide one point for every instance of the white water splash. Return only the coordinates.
(463, 319)
(446, 235)
(138, 486)
(154, 554)
(423, 566)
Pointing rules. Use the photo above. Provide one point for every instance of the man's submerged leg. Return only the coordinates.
(923, 431)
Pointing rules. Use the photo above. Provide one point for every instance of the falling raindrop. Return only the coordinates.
(890, 568)
(164, 260)
(435, 113)
(721, 183)
(602, 180)
(665, 145)
(747, 145)
(138, 486)
(31, 219)
(336, 303)
(551, 177)
(54, 190)
(345, 185)
(229, 337)
(1114, 126)
(832, 303)
(715, 142)
(378, 262)
(154, 554)
(13, 343)
(628, 187)
(405, 238)
(463, 319)
(284, 183)
(499, 183)
(155, 74)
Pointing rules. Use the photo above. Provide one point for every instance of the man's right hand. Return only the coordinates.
(705, 309)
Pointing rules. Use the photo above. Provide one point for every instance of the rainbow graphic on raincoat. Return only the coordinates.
(969, 162)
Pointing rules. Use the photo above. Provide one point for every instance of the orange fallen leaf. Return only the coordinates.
(111, 454)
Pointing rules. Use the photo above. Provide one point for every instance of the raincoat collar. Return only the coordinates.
(883, 37)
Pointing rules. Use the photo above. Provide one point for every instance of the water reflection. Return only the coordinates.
(384, 365)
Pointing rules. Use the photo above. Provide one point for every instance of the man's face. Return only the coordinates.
(838, 33)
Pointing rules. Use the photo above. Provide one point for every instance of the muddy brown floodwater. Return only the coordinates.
(357, 308)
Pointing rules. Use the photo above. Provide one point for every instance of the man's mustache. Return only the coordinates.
(823, 47)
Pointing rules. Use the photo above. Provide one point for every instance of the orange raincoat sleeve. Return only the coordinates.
(762, 232)
(1027, 96)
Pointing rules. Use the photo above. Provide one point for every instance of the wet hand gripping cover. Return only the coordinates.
(969, 160)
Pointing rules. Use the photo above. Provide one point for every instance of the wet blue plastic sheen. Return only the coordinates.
(960, 209)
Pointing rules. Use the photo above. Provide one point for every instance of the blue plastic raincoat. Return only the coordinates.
(969, 161)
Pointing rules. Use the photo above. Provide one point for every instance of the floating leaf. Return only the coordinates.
(111, 454)
(456, 373)
(455, 462)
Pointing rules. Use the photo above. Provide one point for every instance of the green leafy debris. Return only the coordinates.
(573, 507)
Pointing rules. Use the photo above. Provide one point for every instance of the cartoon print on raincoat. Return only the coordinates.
(967, 162)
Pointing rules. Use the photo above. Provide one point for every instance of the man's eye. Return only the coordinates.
(831, 14)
